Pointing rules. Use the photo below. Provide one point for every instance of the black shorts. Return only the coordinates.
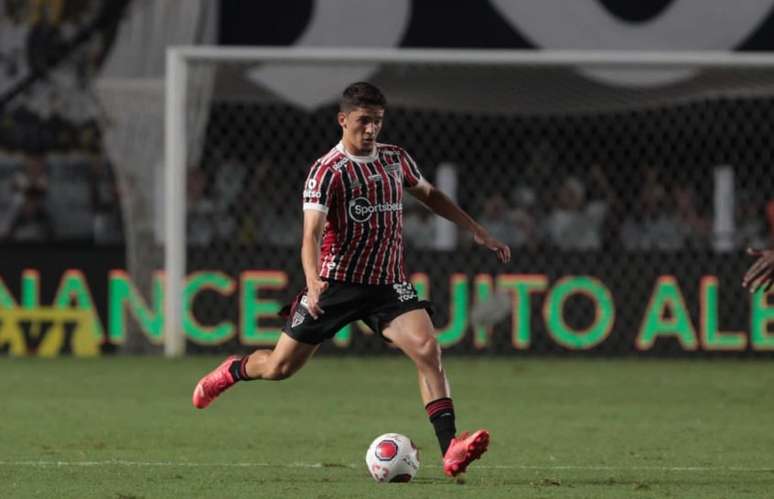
(344, 302)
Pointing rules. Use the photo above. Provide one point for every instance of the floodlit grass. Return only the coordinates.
(124, 428)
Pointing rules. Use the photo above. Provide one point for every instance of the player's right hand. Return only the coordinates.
(314, 289)
(502, 250)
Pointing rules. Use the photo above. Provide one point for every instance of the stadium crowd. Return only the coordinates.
(65, 196)
(72, 195)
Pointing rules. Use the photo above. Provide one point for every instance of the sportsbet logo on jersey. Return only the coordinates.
(360, 209)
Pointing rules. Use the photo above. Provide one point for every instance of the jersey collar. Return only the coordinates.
(360, 159)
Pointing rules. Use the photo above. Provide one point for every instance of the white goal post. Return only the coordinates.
(179, 59)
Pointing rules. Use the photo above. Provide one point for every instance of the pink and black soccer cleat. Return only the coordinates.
(213, 384)
(463, 450)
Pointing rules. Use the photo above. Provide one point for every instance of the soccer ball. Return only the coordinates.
(392, 457)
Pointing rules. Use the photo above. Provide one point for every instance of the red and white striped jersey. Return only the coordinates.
(363, 199)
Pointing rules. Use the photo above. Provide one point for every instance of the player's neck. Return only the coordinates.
(353, 151)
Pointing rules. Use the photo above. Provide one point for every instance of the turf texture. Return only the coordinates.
(124, 428)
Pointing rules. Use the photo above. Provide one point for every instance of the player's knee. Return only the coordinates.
(427, 350)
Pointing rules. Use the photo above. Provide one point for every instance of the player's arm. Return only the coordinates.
(761, 273)
(314, 223)
(440, 204)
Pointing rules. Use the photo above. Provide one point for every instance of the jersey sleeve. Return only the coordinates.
(318, 188)
(411, 173)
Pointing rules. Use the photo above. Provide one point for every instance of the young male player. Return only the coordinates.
(352, 256)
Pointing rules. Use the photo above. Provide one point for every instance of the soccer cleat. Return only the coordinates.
(213, 384)
(463, 450)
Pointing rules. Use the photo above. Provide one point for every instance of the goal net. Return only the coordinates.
(626, 184)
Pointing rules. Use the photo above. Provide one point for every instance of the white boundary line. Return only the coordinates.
(698, 469)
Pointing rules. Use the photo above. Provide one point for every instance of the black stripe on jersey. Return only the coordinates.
(383, 272)
(324, 186)
(346, 240)
(397, 251)
(387, 229)
(381, 197)
(352, 264)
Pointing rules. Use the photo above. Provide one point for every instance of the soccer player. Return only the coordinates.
(761, 274)
(352, 257)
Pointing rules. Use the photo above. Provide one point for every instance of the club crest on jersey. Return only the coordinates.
(393, 169)
(298, 318)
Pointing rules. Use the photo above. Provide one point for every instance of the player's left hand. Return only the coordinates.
(761, 273)
(485, 239)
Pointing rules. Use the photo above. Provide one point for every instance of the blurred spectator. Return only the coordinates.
(10, 199)
(31, 222)
(44, 42)
(69, 197)
(524, 216)
(201, 214)
(252, 205)
(230, 179)
(695, 228)
(282, 223)
(418, 224)
(575, 223)
(750, 222)
(108, 221)
(33, 177)
(652, 223)
(513, 226)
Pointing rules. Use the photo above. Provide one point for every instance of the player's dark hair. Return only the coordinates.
(361, 94)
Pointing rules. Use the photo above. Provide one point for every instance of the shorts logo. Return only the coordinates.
(360, 209)
(405, 291)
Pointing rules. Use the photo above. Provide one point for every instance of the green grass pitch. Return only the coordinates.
(124, 428)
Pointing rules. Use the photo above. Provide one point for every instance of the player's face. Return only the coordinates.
(360, 128)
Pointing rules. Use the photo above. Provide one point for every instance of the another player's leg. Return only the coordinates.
(287, 357)
(413, 333)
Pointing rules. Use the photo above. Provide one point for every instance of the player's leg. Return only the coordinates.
(287, 357)
(414, 334)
